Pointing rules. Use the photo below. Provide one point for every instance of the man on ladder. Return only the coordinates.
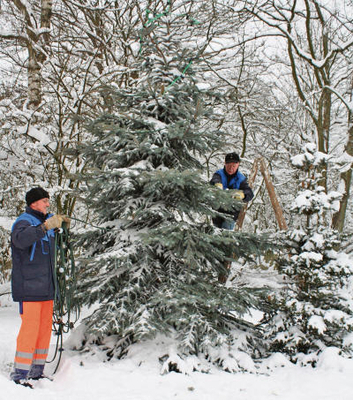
(230, 178)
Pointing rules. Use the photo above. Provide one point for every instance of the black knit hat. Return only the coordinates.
(232, 158)
(36, 194)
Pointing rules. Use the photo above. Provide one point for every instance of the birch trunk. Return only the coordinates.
(346, 176)
(36, 48)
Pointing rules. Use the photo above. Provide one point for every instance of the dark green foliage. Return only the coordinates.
(155, 267)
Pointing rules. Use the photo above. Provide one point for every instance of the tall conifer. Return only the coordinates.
(155, 266)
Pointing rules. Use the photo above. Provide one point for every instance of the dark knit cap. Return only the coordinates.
(232, 158)
(36, 194)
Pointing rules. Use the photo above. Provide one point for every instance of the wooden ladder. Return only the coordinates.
(259, 163)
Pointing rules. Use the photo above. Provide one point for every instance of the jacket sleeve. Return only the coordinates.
(249, 194)
(216, 179)
(24, 234)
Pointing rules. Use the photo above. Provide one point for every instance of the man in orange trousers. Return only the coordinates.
(33, 286)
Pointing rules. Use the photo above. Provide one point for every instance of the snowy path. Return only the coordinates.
(82, 377)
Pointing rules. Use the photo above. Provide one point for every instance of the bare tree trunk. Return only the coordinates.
(346, 176)
(45, 18)
(323, 131)
(35, 57)
(34, 79)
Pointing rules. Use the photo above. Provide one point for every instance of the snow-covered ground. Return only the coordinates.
(138, 376)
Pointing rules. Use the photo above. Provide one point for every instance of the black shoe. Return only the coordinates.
(24, 383)
(37, 378)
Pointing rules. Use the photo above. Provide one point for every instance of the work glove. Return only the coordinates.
(67, 220)
(219, 185)
(238, 194)
(56, 221)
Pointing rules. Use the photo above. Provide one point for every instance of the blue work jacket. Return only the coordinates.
(234, 182)
(32, 258)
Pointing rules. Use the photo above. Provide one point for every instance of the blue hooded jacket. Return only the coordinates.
(32, 258)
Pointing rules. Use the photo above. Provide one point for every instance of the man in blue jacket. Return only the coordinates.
(231, 178)
(33, 286)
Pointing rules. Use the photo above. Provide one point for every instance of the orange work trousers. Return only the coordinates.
(34, 336)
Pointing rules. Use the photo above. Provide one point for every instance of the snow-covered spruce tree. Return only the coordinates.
(155, 267)
(314, 309)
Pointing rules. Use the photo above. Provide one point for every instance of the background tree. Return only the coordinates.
(319, 47)
(67, 51)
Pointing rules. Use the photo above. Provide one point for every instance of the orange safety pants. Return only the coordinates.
(34, 336)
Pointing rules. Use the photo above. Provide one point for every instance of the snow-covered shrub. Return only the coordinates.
(314, 309)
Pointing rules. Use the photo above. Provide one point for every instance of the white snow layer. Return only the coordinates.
(140, 376)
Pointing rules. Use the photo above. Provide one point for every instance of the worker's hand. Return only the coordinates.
(55, 221)
(67, 220)
(219, 185)
(238, 194)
